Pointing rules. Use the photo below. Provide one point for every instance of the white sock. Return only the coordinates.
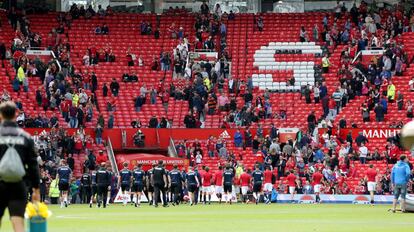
(139, 199)
(255, 196)
(124, 198)
(66, 199)
(226, 197)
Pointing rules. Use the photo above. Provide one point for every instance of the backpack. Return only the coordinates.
(11, 166)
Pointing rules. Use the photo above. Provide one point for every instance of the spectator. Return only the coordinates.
(102, 158)
(98, 134)
(204, 8)
(391, 91)
(260, 24)
(111, 120)
(104, 29)
(325, 64)
(223, 152)
(114, 87)
(248, 138)
(98, 30)
(409, 107)
(153, 122)
(379, 112)
(238, 139)
(101, 12)
(311, 122)
(411, 84)
(139, 101)
(365, 113)
(361, 139)
(105, 90)
(303, 35)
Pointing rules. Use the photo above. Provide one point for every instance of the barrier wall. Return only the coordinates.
(160, 137)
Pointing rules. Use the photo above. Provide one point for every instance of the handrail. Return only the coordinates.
(111, 156)
(172, 148)
(356, 57)
(158, 137)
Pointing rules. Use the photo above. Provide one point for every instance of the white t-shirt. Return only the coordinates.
(363, 152)
(198, 158)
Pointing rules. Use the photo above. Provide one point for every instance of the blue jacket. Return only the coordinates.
(400, 173)
(238, 138)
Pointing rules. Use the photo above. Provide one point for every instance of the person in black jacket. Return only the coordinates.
(159, 180)
(103, 183)
(153, 122)
(94, 81)
(13, 193)
(86, 189)
(114, 87)
(105, 90)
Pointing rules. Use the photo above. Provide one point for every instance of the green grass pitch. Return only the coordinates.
(218, 218)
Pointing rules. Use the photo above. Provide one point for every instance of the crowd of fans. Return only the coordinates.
(57, 145)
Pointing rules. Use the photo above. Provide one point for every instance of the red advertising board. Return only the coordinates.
(147, 160)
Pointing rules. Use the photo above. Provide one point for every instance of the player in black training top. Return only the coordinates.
(85, 187)
(138, 177)
(228, 178)
(14, 186)
(159, 180)
(64, 175)
(94, 188)
(150, 185)
(192, 184)
(124, 182)
(103, 183)
(257, 179)
(175, 179)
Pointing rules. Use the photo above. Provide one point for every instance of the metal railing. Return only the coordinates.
(111, 156)
(172, 152)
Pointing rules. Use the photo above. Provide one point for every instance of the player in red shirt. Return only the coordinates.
(206, 179)
(218, 182)
(268, 187)
(291, 178)
(245, 179)
(317, 177)
(371, 177)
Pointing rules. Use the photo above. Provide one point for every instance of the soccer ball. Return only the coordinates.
(186, 198)
(407, 135)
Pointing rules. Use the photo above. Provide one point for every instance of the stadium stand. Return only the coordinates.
(275, 79)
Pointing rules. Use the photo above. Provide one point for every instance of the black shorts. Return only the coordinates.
(13, 196)
(86, 189)
(125, 187)
(175, 188)
(63, 186)
(102, 190)
(94, 190)
(192, 188)
(227, 188)
(137, 187)
(257, 187)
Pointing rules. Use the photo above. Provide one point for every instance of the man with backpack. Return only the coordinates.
(19, 168)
